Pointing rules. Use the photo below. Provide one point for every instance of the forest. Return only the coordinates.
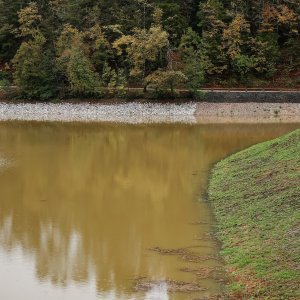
(90, 48)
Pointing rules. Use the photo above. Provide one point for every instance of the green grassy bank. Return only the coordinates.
(255, 195)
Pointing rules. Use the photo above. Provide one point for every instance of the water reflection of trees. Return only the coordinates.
(92, 198)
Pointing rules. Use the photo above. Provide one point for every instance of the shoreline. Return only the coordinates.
(139, 113)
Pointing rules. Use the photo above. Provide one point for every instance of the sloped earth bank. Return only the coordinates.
(255, 195)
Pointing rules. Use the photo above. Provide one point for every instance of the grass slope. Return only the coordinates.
(255, 195)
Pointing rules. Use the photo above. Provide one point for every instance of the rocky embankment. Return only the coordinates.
(192, 112)
(84, 112)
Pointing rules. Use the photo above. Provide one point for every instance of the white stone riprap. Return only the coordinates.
(128, 113)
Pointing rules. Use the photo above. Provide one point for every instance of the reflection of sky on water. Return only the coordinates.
(18, 267)
(158, 292)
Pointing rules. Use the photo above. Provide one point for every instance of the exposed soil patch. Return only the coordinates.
(184, 254)
(172, 286)
(215, 273)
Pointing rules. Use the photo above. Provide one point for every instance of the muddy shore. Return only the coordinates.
(152, 112)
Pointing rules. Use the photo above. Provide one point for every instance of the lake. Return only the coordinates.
(112, 211)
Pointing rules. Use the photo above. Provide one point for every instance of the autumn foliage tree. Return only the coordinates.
(34, 62)
(85, 47)
(74, 63)
(143, 46)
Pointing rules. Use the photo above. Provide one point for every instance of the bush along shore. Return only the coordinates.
(255, 195)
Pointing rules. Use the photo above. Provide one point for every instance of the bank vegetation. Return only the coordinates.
(255, 195)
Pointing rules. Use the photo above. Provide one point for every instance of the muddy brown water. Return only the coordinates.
(82, 205)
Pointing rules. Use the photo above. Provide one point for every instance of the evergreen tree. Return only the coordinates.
(8, 23)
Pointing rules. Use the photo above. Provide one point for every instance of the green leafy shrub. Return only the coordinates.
(34, 68)
(165, 80)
